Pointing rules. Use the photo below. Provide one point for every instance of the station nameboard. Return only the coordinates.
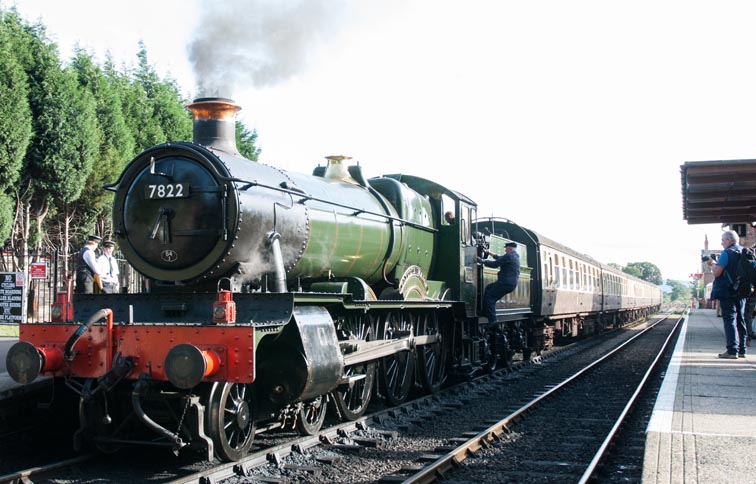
(11, 297)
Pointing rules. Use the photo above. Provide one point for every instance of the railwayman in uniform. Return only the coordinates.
(506, 282)
(86, 266)
(108, 268)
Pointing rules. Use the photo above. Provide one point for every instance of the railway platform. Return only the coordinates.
(703, 427)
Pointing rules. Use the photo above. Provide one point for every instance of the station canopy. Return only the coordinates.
(719, 191)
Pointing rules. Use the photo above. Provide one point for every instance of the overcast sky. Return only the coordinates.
(570, 118)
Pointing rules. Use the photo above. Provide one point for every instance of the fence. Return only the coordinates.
(41, 285)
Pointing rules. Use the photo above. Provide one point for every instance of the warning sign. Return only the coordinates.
(11, 297)
(38, 270)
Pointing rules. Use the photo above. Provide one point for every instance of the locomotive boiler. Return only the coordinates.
(186, 214)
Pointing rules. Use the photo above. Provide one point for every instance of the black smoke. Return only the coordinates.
(258, 43)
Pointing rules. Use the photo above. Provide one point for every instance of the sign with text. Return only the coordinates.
(12, 297)
(38, 270)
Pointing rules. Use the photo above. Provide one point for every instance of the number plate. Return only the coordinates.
(167, 190)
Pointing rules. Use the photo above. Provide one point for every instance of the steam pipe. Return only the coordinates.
(280, 270)
(136, 395)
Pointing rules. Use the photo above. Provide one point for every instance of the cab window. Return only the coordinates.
(448, 210)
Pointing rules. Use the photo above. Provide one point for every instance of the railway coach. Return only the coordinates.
(569, 293)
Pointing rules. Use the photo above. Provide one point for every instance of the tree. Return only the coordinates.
(644, 270)
(67, 131)
(64, 144)
(115, 145)
(15, 121)
(153, 108)
(633, 271)
(246, 142)
(680, 292)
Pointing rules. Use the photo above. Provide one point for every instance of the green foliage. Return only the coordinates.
(15, 114)
(644, 270)
(65, 131)
(61, 155)
(155, 110)
(7, 207)
(246, 142)
(9, 330)
(115, 141)
(680, 291)
(633, 271)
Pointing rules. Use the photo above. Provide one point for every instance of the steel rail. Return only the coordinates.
(437, 468)
(24, 476)
(621, 419)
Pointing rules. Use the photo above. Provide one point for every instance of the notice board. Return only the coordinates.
(12, 297)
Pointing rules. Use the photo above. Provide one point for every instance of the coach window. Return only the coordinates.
(581, 276)
(572, 275)
(565, 278)
(557, 272)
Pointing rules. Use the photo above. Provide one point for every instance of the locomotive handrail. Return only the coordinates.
(305, 196)
(294, 191)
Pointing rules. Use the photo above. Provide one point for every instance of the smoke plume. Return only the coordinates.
(257, 43)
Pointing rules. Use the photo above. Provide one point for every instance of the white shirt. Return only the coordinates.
(90, 258)
(108, 269)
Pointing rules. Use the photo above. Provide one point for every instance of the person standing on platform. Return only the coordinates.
(86, 266)
(108, 268)
(506, 282)
(733, 307)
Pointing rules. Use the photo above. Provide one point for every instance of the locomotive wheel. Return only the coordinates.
(312, 415)
(231, 422)
(352, 400)
(431, 359)
(396, 371)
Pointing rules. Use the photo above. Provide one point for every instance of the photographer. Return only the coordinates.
(733, 307)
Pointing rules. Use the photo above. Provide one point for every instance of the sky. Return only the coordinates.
(569, 118)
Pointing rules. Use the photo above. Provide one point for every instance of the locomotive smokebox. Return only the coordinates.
(215, 123)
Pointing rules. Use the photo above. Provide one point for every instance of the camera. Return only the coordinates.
(713, 257)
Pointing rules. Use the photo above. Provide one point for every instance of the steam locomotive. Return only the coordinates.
(272, 296)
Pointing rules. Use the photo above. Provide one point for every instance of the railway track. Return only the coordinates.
(376, 447)
(563, 434)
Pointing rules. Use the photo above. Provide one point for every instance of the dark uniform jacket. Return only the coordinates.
(509, 267)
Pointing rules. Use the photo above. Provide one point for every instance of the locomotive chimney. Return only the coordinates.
(215, 123)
